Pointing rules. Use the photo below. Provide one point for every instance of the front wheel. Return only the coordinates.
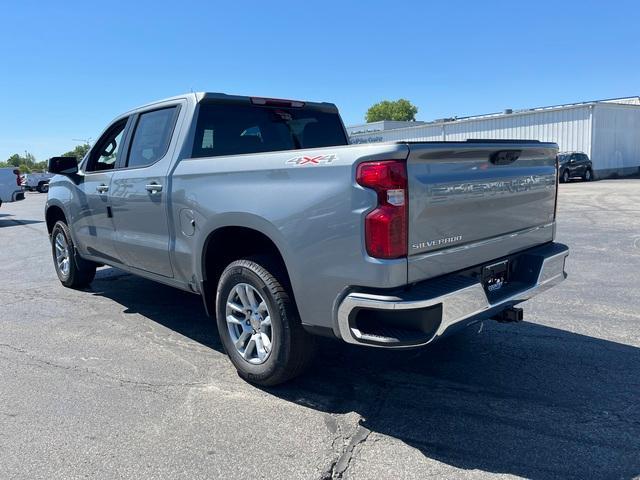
(565, 176)
(73, 271)
(258, 323)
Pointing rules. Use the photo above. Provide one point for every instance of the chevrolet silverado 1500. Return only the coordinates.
(287, 232)
(38, 181)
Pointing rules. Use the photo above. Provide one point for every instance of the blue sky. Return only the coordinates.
(67, 68)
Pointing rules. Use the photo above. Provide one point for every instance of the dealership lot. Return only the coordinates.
(128, 379)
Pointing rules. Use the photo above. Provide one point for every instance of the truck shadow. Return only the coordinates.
(526, 400)
(6, 220)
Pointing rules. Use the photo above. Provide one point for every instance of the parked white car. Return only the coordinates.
(10, 185)
(37, 181)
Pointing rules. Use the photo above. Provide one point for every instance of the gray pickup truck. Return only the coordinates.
(288, 232)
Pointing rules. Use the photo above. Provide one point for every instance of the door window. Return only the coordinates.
(151, 137)
(105, 152)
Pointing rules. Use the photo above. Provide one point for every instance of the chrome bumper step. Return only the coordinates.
(459, 299)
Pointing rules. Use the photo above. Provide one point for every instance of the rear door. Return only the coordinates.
(584, 162)
(139, 191)
(93, 225)
(574, 165)
(472, 202)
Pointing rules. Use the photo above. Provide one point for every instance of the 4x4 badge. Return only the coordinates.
(311, 160)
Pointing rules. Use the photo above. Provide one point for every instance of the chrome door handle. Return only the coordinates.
(102, 188)
(153, 188)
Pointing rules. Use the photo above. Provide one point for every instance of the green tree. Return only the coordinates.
(26, 163)
(399, 110)
(79, 152)
(15, 160)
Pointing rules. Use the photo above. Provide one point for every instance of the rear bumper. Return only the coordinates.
(428, 310)
(16, 195)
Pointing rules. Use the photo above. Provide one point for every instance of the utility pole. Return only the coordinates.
(85, 141)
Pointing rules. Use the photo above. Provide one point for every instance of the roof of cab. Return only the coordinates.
(223, 97)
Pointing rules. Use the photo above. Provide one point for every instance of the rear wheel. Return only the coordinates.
(73, 271)
(43, 187)
(588, 175)
(258, 323)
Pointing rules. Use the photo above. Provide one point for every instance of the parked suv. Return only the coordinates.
(574, 164)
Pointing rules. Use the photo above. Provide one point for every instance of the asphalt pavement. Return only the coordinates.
(128, 379)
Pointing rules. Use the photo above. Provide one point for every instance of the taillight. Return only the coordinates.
(18, 181)
(276, 102)
(386, 226)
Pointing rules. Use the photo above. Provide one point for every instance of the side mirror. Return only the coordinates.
(63, 165)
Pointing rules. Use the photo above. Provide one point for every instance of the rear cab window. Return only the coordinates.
(232, 129)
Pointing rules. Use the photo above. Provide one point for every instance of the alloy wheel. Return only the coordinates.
(62, 254)
(249, 323)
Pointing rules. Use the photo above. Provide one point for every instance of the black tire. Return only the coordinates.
(588, 175)
(43, 187)
(80, 272)
(292, 348)
(565, 176)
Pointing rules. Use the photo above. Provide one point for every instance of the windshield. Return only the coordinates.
(563, 158)
(230, 129)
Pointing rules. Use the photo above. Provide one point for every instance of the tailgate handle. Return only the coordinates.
(504, 157)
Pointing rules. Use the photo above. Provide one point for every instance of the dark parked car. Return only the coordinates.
(574, 164)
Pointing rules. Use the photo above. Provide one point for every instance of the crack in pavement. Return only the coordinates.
(340, 466)
(352, 444)
(76, 368)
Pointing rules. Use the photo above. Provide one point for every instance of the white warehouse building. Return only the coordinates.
(606, 130)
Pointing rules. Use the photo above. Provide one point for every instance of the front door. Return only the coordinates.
(93, 225)
(139, 192)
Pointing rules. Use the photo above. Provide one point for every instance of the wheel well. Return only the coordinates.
(228, 244)
(53, 215)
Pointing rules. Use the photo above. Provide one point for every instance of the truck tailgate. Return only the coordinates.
(475, 201)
